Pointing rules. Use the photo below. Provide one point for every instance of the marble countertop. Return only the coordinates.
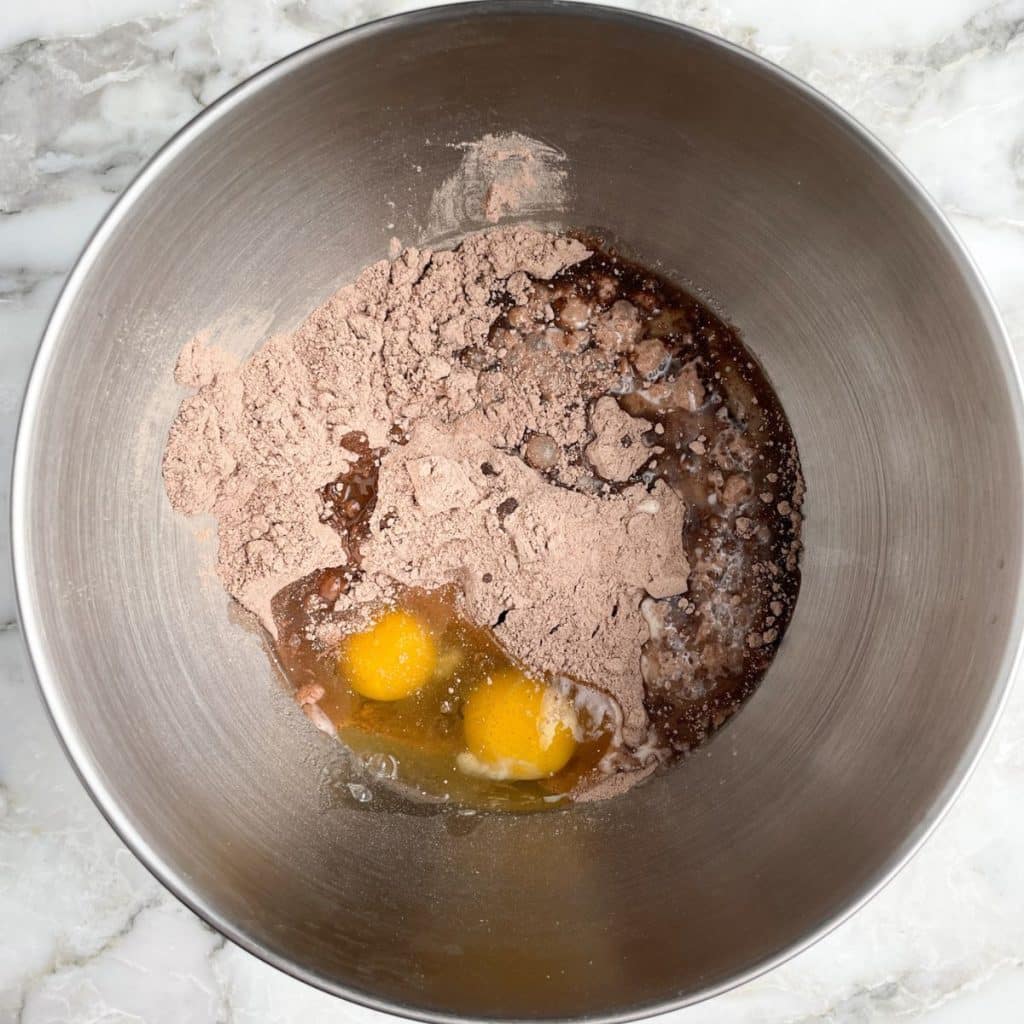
(88, 90)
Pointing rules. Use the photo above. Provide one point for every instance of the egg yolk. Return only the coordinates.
(517, 728)
(392, 659)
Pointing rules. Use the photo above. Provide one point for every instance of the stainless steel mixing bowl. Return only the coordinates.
(885, 350)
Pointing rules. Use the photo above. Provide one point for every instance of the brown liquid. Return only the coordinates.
(734, 462)
(727, 449)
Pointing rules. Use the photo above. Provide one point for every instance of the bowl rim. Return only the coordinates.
(43, 671)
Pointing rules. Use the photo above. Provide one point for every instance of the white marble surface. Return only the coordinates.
(88, 89)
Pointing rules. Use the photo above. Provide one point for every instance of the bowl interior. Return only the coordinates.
(887, 358)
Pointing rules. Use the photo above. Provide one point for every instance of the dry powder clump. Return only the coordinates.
(494, 446)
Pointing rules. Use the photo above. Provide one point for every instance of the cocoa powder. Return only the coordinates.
(559, 576)
(499, 176)
(492, 453)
